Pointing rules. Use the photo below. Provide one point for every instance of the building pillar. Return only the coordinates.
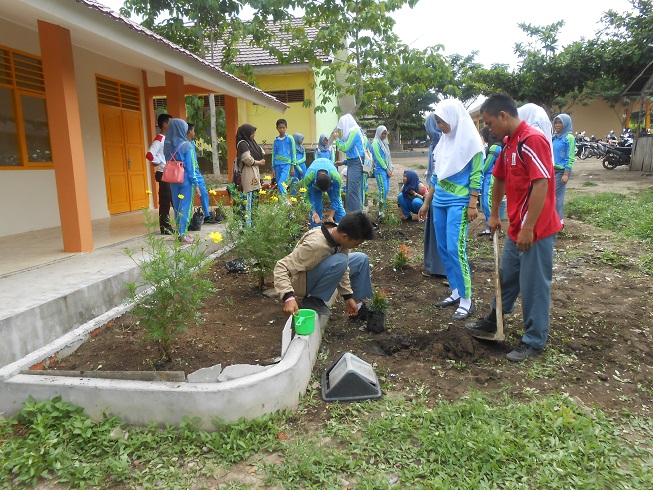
(176, 96)
(65, 128)
(231, 121)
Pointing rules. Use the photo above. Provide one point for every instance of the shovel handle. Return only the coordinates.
(497, 285)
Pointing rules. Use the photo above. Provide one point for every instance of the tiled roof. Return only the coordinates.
(256, 56)
(146, 32)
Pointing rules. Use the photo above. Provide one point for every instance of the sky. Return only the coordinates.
(490, 27)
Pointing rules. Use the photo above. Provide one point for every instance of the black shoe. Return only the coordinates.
(522, 352)
(208, 220)
(486, 325)
(463, 313)
(316, 304)
(448, 302)
(362, 313)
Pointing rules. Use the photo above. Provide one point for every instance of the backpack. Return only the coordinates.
(237, 177)
(366, 159)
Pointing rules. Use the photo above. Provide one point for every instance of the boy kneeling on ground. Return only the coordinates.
(321, 262)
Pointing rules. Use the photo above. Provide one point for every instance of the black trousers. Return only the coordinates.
(165, 201)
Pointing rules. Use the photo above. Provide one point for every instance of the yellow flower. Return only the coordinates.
(267, 177)
(303, 189)
(293, 199)
(213, 192)
(216, 236)
(148, 191)
(262, 192)
(180, 196)
(275, 198)
(285, 186)
(246, 216)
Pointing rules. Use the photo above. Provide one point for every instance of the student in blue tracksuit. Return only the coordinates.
(177, 144)
(411, 197)
(322, 176)
(456, 184)
(283, 156)
(491, 156)
(300, 156)
(204, 195)
(324, 150)
(382, 166)
(353, 146)
(564, 155)
(433, 265)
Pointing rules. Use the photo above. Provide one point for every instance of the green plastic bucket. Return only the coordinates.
(305, 322)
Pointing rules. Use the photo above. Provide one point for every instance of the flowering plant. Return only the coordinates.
(402, 257)
(379, 301)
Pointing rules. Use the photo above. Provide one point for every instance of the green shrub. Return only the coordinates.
(178, 275)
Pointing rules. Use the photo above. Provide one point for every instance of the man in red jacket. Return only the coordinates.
(157, 158)
(524, 174)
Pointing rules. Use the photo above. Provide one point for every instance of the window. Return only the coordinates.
(287, 96)
(24, 131)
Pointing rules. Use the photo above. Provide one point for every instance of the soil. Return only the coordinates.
(599, 350)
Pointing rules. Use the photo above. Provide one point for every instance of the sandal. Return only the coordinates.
(450, 301)
(463, 313)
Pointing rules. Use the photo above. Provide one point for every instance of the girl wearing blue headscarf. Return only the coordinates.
(300, 156)
(412, 195)
(324, 150)
(564, 154)
(433, 265)
(183, 195)
(382, 166)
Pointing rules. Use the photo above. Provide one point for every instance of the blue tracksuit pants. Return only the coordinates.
(183, 207)
(315, 197)
(451, 224)
(383, 181)
(282, 174)
(409, 205)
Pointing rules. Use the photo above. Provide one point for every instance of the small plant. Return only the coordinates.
(178, 275)
(401, 258)
(276, 225)
(379, 301)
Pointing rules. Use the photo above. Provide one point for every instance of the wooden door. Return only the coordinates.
(137, 178)
(115, 161)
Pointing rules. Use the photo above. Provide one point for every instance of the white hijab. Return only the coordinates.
(536, 116)
(347, 123)
(459, 146)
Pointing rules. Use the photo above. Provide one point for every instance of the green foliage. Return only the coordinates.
(178, 275)
(379, 300)
(277, 223)
(401, 258)
(55, 440)
(472, 443)
(631, 216)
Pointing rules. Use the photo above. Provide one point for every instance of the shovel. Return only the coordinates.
(498, 335)
(497, 286)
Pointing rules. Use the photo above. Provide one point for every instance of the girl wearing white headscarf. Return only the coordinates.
(564, 155)
(456, 183)
(536, 116)
(382, 166)
(354, 145)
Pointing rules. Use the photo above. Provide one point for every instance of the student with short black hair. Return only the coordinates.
(321, 263)
(524, 174)
(157, 158)
(283, 156)
(322, 176)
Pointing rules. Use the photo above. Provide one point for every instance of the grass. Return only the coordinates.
(629, 215)
(549, 442)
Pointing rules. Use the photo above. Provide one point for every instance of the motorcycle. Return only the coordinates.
(617, 156)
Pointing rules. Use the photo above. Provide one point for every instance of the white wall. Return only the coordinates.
(33, 193)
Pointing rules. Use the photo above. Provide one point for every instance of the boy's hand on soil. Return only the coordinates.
(352, 307)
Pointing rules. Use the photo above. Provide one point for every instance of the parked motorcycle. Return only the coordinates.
(617, 156)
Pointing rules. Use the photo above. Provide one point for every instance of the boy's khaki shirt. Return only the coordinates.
(312, 248)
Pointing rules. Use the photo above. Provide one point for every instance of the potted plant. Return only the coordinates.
(377, 310)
